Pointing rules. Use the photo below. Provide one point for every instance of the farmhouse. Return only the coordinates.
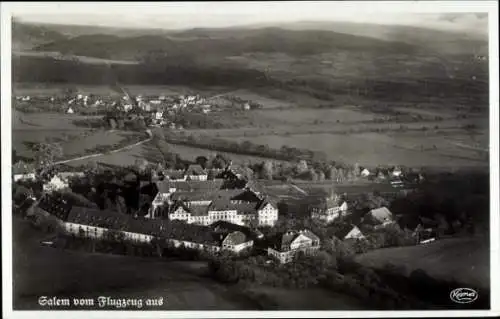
(287, 245)
(349, 231)
(23, 171)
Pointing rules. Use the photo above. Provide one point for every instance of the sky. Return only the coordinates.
(179, 15)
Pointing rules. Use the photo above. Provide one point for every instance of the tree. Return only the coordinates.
(267, 170)
(312, 175)
(321, 176)
(202, 161)
(302, 167)
(332, 173)
(219, 162)
(357, 170)
(46, 153)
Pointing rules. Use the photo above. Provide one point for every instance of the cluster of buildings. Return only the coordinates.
(191, 209)
(191, 197)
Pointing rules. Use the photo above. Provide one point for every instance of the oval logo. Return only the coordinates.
(464, 295)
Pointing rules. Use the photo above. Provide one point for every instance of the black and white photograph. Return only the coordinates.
(215, 159)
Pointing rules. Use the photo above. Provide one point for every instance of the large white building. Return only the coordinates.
(240, 207)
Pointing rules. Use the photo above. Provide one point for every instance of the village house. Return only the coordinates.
(349, 231)
(329, 209)
(23, 171)
(379, 217)
(70, 111)
(287, 245)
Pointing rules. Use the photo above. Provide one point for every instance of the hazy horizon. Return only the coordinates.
(178, 16)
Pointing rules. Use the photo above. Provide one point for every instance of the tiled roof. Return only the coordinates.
(56, 205)
(174, 174)
(240, 207)
(156, 227)
(236, 238)
(381, 214)
(192, 196)
(227, 227)
(190, 186)
(283, 241)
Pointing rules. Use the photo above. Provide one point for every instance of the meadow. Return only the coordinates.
(47, 271)
(465, 260)
(149, 152)
(59, 128)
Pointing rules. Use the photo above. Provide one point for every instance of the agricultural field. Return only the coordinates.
(465, 260)
(81, 59)
(149, 152)
(55, 127)
(54, 89)
(372, 149)
(46, 121)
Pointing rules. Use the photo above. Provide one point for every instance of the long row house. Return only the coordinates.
(89, 221)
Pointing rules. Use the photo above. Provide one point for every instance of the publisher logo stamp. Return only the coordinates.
(464, 295)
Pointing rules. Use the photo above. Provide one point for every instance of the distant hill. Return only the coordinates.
(27, 36)
(444, 42)
(268, 40)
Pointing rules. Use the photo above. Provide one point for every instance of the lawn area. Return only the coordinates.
(304, 299)
(44, 271)
(464, 259)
